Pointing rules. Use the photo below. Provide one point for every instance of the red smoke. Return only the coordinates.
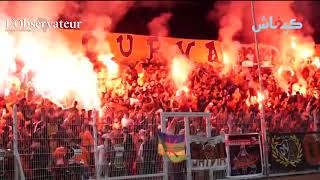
(90, 11)
(229, 15)
(33, 10)
(235, 19)
(154, 4)
(51, 60)
(159, 25)
(235, 25)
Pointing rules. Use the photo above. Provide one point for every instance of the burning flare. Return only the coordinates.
(294, 58)
(112, 67)
(58, 73)
(316, 62)
(180, 70)
(7, 61)
(252, 100)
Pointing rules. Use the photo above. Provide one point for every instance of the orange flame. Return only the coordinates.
(293, 59)
(112, 66)
(293, 42)
(59, 73)
(226, 59)
(260, 97)
(180, 70)
(252, 100)
(316, 62)
(7, 92)
(280, 70)
(182, 89)
(298, 88)
(229, 55)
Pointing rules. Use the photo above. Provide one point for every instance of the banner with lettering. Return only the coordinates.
(208, 152)
(294, 152)
(130, 47)
(244, 155)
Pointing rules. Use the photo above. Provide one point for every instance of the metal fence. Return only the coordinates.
(131, 151)
(60, 147)
(47, 145)
(51, 148)
(190, 124)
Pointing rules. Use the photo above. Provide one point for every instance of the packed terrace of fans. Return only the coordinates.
(132, 109)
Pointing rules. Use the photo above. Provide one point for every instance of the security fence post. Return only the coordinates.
(263, 119)
(208, 132)
(188, 151)
(95, 142)
(165, 159)
(17, 163)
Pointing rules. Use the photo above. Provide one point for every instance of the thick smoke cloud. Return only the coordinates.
(58, 71)
(52, 60)
(158, 26)
(235, 19)
(155, 4)
(90, 12)
(229, 15)
(235, 26)
(33, 10)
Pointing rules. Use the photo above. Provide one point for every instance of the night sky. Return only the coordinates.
(190, 20)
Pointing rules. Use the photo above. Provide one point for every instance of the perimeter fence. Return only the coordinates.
(71, 148)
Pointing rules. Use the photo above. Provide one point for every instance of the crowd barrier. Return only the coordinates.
(64, 156)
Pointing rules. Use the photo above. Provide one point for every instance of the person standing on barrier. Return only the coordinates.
(87, 142)
(39, 161)
(60, 135)
(141, 140)
(118, 167)
(2, 162)
(148, 153)
(102, 155)
(109, 152)
(316, 117)
(59, 166)
(129, 150)
(78, 160)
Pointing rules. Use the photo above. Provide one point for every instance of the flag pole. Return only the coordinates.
(263, 123)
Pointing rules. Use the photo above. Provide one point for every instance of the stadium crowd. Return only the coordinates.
(57, 143)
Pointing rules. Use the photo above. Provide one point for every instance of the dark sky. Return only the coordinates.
(190, 20)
